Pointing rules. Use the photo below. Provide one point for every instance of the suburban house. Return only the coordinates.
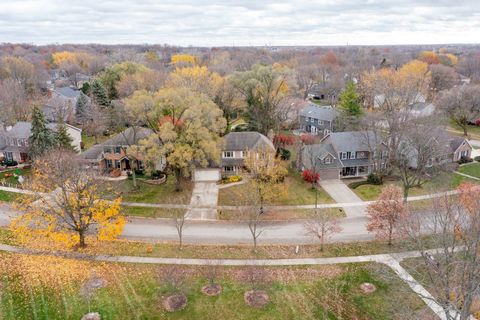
(422, 109)
(111, 154)
(344, 155)
(236, 147)
(14, 140)
(316, 119)
(61, 103)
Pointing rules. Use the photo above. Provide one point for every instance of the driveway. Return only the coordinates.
(204, 195)
(341, 193)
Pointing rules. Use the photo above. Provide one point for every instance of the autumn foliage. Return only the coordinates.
(385, 213)
(307, 138)
(283, 140)
(310, 176)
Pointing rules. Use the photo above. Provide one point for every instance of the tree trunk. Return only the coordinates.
(465, 130)
(81, 242)
(178, 176)
(390, 232)
(134, 176)
(405, 194)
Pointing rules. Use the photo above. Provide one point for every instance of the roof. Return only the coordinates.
(93, 153)
(318, 112)
(21, 129)
(246, 141)
(68, 92)
(351, 140)
(320, 151)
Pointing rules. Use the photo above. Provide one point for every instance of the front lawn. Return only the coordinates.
(11, 176)
(164, 193)
(38, 287)
(471, 169)
(6, 196)
(152, 212)
(473, 131)
(298, 192)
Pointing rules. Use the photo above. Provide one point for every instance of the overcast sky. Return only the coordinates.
(240, 22)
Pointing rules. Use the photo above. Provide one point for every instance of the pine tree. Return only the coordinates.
(42, 138)
(99, 94)
(81, 108)
(349, 100)
(62, 138)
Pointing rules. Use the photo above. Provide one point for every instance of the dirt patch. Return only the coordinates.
(256, 298)
(92, 316)
(368, 288)
(212, 289)
(175, 302)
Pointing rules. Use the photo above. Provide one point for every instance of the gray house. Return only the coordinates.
(316, 119)
(344, 155)
(236, 147)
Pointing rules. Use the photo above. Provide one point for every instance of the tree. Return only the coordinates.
(14, 104)
(179, 221)
(452, 269)
(62, 138)
(324, 225)
(81, 107)
(462, 105)
(99, 94)
(66, 205)
(254, 220)
(443, 77)
(263, 88)
(42, 138)
(350, 101)
(306, 76)
(20, 70)
(385, 214)
(429, 57)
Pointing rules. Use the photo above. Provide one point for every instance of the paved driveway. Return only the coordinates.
(204, 195)
(341, 193)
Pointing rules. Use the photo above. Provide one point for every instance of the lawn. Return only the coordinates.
(54, 288)
(276, 215)
(473, 131)
(164, 193)
(6, 196)
(11, 176)
(297, 191)
(472, 169)
(443, 182)
(152, 212)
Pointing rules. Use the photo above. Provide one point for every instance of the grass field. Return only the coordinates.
(6, 196)
(11, 176)
(472, 169)
(36, 287)
(164, 193)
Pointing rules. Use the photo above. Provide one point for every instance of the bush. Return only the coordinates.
(477, 158)
(310, 176)
(464, 159)
(374, 179)
(10, 163)
(285, 154)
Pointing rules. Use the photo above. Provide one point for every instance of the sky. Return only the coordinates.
(240, 22)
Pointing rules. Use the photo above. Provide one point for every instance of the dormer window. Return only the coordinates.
(328, 160)
(118, 149)
(343, 155)
(352, 155)
(228, 154)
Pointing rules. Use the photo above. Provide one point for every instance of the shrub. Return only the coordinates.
(477, 158)
(310, 176)
(464, 159)
(285, 154)
(374, 179)
(233, 179)
(477, 122)
(10, 163)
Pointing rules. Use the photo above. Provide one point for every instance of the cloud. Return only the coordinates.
(240, 22)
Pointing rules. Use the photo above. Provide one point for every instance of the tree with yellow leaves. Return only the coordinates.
(67, 204)
(182, 60)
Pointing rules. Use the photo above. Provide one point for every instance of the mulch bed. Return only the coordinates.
(212, 289)
(256, 298)
(175, 302)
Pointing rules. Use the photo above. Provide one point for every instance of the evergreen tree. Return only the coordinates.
(99, 93)
(349, 101)
(63, 139)
(81, 107)
(42, 138)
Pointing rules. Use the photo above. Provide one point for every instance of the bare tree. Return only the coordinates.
(443, 77)
(179, 221)
(324, 225)
(462, 105)
(254, 221)
(306, 77)
(452, 270)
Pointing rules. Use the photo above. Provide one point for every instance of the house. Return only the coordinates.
(236, 147)
(111, 154)
(344, 155)
(422, 109)
(316, 119)
(62, 103)
(379, 100)
(14, 140)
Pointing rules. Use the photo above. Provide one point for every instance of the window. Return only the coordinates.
(343, 155)
(118, 149)
(464, 153)
(244, 154)
(228, 154)
(107, 150)
(117, 164)
(352, 155)
(229, 168)
(320, 122)
(328, 160)
(361, 155)
(109, 163)
(310, 119)
(9, 156)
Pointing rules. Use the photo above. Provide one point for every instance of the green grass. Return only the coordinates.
(6, 196)
(152, 212)
(471, 169)
(473, 131)
(164, 193)
(14, 178)
(136, 292)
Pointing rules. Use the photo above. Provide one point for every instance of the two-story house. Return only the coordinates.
(112, 153)
(236, 147)
(14, 140)
(344, 155)
(317, 119)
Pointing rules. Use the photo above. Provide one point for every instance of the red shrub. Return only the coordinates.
(283, 140)
(310, 176)
(307, 138)
(477, 122)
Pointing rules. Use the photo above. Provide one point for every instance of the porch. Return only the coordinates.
(355, 171)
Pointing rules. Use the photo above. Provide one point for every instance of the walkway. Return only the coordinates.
(341, 193)
(390, 260)
(204, 195)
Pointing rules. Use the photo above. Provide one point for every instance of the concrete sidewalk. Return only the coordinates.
(341, 193)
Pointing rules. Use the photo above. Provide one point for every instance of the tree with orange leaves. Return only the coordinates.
(67, 204)
(385, 213)
(429, 57)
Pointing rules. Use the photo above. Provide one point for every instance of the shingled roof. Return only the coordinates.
(239, 141)
(318, 112)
